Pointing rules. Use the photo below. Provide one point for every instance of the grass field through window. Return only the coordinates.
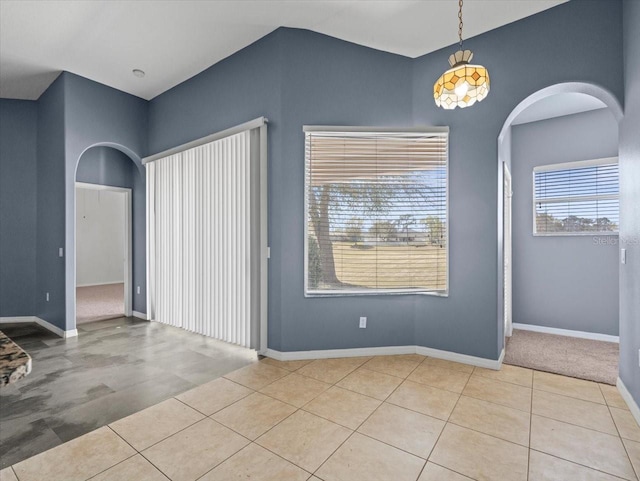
(391, 266)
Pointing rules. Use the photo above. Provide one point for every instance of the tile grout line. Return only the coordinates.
(135, 453)
(258, 437)
(209, 415)
(530, 412)
(447, 422)
(453, 471)
(268, 430)
(165, 438)
(14, 472)
(183, 429)
(281, 457)
(487, 434)
(354, 431)
(361, 366)
(571, 397)
(443, 427)
(624, 446)
(502, 380)
(224, 460)
(272, 427)
(578, 425)
(293, 405)
(278, 423)
(579, 464)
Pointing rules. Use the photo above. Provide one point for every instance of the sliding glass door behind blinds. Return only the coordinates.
(203, 245)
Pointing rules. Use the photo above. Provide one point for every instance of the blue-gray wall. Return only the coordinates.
(240, 88)
(298, 77)
(326, 81)
(575, 41)
(51, 205)
(97, 115)
(18, 179)
(564, 282)
(630, 203)
(105, 166)
(75, 114)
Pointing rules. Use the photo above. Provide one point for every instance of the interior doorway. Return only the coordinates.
(103, 252)
(559, 218)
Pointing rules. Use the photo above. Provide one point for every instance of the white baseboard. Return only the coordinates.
(139, 315)
(566, 332)
(333, 353)
(101, 284)
(628, 398)
(495, 364)
(17, 319)
(47, 325)
(386, 351)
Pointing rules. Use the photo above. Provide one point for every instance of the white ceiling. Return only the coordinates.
(558, 106)
(173, 40)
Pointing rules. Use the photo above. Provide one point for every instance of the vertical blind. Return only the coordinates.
(577, 197)
(201, 234)
(376, 212)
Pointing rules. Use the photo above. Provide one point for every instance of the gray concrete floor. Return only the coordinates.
(112, 369)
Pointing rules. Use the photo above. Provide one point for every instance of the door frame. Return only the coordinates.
(128, 239)
(507, 252)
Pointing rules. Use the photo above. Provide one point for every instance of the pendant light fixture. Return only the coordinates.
(463, 84)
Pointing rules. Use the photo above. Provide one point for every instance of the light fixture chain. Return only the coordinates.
(460, 25)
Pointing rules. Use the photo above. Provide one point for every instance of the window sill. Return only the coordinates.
(313, 294)
(576, 234)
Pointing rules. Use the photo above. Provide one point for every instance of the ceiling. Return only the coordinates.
(173, 40)
(557, 106)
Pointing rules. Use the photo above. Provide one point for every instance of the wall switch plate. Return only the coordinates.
(61, 252)
(623, 256)
(363, 323)
(47, 297)
(138, 289)
(639, 357)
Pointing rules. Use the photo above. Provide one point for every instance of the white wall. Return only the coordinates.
(100, 228)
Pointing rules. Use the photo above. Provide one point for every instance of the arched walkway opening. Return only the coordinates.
(556, 126)
(109, 196)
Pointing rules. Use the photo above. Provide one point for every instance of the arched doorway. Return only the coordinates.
(552, 107)
(107, 184)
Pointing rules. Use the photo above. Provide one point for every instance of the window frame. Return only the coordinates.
(576, 164)
(375, 292)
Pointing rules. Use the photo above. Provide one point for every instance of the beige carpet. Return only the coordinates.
(97, 303)
(569, 356)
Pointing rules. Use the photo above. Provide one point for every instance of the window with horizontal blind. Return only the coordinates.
(376, 211)
(576, 198)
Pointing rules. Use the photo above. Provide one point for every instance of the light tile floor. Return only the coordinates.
(396, 418)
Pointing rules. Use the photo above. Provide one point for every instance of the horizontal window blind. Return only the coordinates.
(577, 198)
(376, 212)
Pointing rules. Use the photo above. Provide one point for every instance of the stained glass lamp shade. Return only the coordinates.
(463, 84)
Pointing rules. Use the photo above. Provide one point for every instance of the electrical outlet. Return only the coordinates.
(138, 289)
(623, 256)
(61, 252)
(47, 296)
(363, 323)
